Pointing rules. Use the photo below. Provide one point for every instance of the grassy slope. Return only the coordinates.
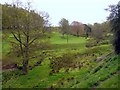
(73, 42)
(57, 42)
(85, 77)
(56, 38)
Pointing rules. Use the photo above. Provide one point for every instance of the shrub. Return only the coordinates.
(65, 61)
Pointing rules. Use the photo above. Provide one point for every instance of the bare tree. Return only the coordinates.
(77, 28)
(26, 31)
(97, 32)
(46, 23)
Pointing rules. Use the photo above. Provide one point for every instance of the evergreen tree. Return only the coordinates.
(114, 18)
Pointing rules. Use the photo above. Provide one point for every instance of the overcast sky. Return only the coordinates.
(85, 11)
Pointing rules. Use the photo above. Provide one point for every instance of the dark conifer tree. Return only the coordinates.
(114, 18)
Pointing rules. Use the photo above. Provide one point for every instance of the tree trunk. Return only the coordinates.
(67, 38)
(26, 58)
(77, 33)
(25, 61)
(25, 71)
(63, 35)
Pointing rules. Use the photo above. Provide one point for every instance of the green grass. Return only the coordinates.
(57, 38)
(34, 76)
(85, 77)
(110, 83)
(5, 47)
(58, 42)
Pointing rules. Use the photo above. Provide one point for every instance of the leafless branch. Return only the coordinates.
(33, 40)
(17, 38)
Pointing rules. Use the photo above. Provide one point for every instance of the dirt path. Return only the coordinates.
(103, 57)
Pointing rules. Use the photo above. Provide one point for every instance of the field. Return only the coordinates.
(65, 65)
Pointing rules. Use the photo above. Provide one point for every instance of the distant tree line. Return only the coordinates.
(98, 31)
(75, 28)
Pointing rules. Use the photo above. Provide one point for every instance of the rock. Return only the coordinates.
(93, 54)
(51, 87)
(72, 78)
(106, 66)
(37, 63)
(51, 72)
(97, 69)
(67, 70)
(62, 83)
(68, 79)
(96, 84)
(19, 67)
(30, 67)
(77, 82)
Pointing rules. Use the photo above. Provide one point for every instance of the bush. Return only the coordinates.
(91, 43)
(65, 61)
(104, 42)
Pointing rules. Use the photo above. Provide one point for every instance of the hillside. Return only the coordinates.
(69, 65)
